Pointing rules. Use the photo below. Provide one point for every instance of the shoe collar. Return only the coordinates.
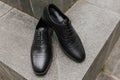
(65, 22)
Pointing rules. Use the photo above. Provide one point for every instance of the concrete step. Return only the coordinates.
(4, 9)
(98, 29)
(112, 65)
(113, 5)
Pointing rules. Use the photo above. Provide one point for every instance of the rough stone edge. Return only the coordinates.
(95, 68)
(7, 73)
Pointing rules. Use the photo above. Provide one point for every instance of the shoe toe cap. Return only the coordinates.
(40, 64)
(78, 55)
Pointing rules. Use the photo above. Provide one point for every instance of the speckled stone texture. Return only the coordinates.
(4, 9)
(7, 73)
(113, 5)
(97, 28)
(103, 76)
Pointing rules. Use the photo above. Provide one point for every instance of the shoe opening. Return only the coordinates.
(57, 16)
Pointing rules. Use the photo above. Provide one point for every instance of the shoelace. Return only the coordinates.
(69, 34)
(70, 37)
(38, 38)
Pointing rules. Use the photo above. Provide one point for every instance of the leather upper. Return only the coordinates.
(67, 36)
(41, 50)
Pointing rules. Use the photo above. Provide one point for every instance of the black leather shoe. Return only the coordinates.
(41, 50)
(68, 38)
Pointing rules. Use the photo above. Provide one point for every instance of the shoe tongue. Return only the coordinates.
(41, 29)
(65, 21)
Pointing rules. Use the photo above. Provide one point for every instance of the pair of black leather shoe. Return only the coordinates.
(41, 51)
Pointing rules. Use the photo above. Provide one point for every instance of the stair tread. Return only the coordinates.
(93, 24)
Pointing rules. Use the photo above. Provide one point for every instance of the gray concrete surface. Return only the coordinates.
(94, 25)
(35, 7)
(7, 73)
(112, 65)
(4, 9)
(113, 5)
(104, 76)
